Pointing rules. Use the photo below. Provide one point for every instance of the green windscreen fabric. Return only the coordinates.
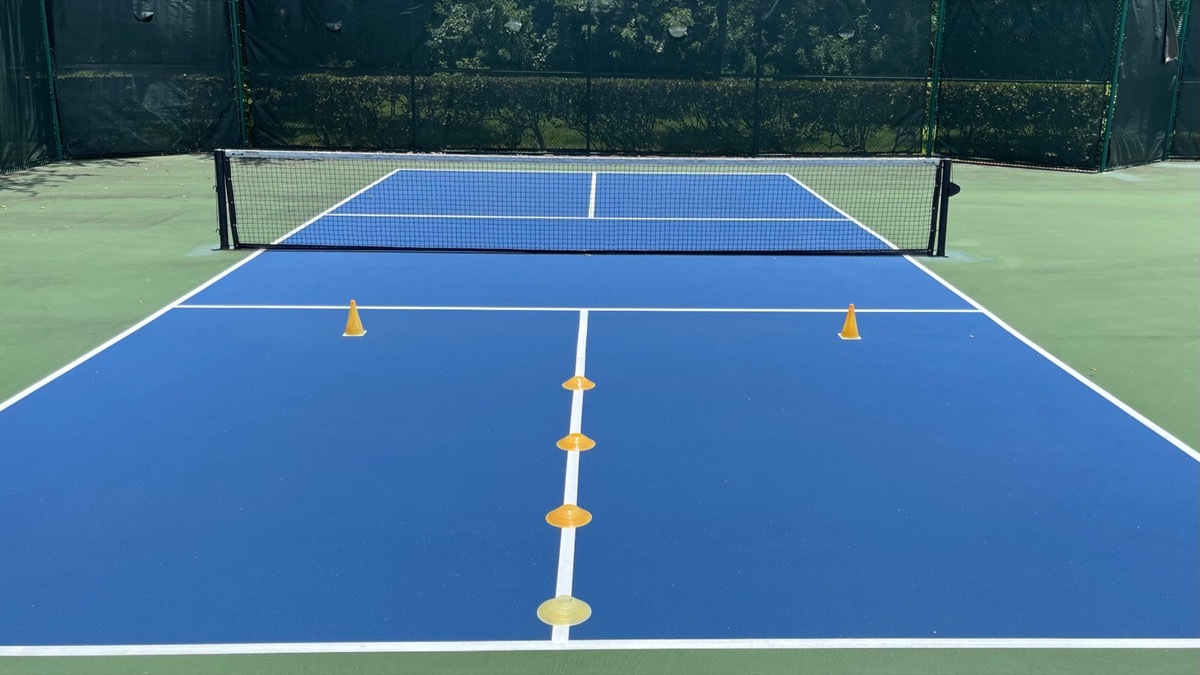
(26, 110)
(1026, 81)
(655, 76)
(1145, 85)
(1186, 140)
(144, 76)
(333, 73)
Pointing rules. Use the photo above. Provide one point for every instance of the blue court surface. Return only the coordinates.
(235, 471)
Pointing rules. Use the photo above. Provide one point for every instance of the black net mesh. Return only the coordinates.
(27, 134)
(544, 204)
(144, 76)
(697, 77)
(1026, 81)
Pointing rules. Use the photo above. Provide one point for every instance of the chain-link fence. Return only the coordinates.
(1015, 81)
(28, 134)
(1186, 127)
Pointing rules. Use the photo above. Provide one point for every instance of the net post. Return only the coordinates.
(1118, 52)
(230, 205)
(219, 162)
(945, 190)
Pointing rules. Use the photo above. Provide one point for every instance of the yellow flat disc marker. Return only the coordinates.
(575, 442)
(579, 383)
(569, 515)
(564, 611)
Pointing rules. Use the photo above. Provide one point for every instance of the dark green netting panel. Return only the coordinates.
(1186, 140)
(144, 76)
(414, 74)
(845, 77)
(671, 78)
(675, 77)
(504, 76)
(1016, 81)
(1026, 81)
(27, 134)
(1146, 85)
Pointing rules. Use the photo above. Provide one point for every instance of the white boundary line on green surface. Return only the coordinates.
(852, 219)
(1163, 433)
(179, 301)
(122, 335)
(1125, 407)
(590, 645)
(329, 211)
(482, 308)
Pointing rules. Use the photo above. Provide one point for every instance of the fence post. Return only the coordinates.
(235, 38)
(1183, 35)
(587, 74)
(758, 56)
(58, 144)
(1112, 86)
(412, 77)
(935, 85)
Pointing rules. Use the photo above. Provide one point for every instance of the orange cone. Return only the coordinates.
(354, 327)
(850, 328)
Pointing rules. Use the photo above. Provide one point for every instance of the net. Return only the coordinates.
(337, 200)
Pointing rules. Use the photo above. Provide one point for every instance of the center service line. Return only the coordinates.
(566, 545)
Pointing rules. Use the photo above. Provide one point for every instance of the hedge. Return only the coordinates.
(1053, 124)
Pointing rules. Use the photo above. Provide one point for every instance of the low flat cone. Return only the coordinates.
(850, 328)
(575, 442)
(578, 383)
(569, 515)
(564, 611)
(354, 327)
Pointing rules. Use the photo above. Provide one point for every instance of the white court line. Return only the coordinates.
(336, 206)
(575, 160)
(179, 301)
(591, 216)
(852, 219)
(122, 335)
(566, 546)
(468, 308)
(592, 198)
(589, 645)
(1166, 435)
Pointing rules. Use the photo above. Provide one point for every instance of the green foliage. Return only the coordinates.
(1049, 124)
(472, 111)
(332, 111)
(843, 116)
